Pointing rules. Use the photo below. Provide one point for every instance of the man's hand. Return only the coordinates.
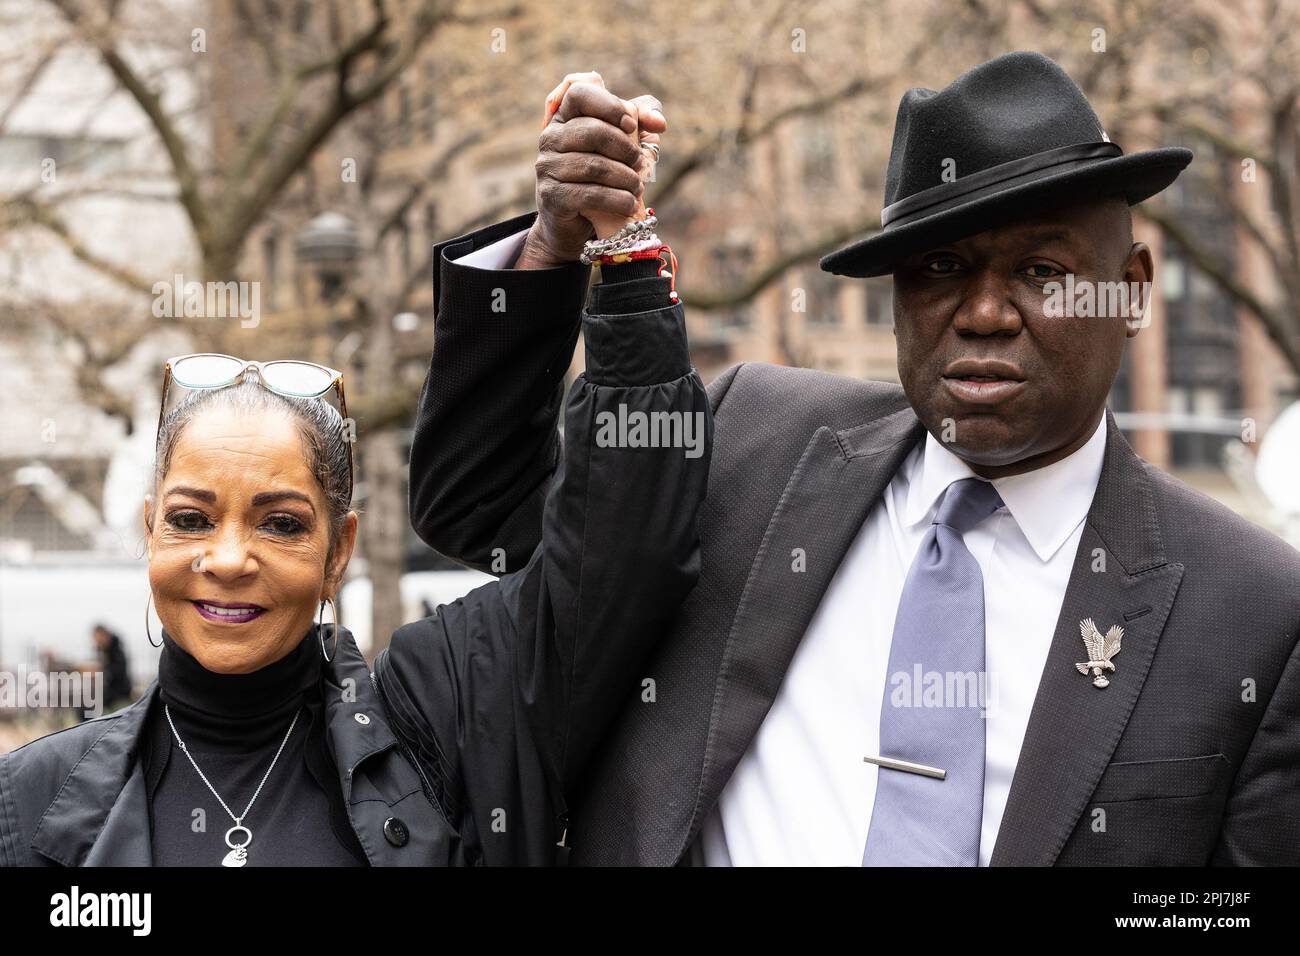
(591, 167)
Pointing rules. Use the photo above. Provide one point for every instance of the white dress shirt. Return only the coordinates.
(802, 794)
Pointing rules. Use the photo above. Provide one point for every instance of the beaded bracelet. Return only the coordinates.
(630, 234)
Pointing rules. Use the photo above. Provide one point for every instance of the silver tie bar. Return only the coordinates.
(920, 768)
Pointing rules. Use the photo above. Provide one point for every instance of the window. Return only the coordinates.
(817, 150)
(1173, 276)
(430, 100)
(823, 299)
(270, 266)
(880, 301)
(404, 115)
(81, 154)
(404, 246)
(729, 267)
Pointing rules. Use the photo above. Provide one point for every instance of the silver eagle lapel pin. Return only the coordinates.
(1100, 650)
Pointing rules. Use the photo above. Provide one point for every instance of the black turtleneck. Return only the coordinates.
(233, 724)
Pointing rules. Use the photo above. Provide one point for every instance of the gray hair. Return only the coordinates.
(319, 422)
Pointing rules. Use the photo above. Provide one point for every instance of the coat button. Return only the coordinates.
(362, 719)
(395, 832)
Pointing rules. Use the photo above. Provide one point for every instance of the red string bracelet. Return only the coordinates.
(618, 258)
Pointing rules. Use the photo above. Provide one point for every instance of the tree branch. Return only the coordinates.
(38, 214)
(707, 153)
(1275, 323)
(804, 252)
(187, 177)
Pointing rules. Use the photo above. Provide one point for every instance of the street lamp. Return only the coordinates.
(329, 244)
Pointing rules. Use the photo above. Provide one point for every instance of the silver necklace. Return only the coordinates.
(238, 854)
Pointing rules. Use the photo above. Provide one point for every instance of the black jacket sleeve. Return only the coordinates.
(503, 694)
(485, 444)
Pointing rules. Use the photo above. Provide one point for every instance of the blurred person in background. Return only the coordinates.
(115, 667)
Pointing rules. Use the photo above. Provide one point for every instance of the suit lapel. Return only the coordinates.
(1074, 727)
(838, 479)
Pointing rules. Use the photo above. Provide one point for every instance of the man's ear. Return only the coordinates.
(341, 555)
(1139, 270)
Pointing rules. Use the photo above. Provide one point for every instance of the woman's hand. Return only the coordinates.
(591, 167)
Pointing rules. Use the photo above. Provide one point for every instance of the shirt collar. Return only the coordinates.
(1047, 503)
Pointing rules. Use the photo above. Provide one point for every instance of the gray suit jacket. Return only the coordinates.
(1191, 755)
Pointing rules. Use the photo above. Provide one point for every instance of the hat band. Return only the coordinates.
(991, 180)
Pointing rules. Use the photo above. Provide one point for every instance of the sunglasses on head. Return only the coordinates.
(288, 377)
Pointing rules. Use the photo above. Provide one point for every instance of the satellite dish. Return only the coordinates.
(1277, 468)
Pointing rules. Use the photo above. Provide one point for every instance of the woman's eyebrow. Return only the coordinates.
(271, 497)
(201, 494)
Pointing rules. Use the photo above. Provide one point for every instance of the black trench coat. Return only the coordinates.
(477, 721)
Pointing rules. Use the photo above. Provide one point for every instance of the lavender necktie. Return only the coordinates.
(931, 714)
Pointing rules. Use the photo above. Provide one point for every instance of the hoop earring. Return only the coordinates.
(147, 632)
(320, 627)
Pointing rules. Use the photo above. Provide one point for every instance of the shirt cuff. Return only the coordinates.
(501, 254)
(629, 287)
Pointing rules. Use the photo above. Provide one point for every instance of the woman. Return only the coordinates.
(267, 741)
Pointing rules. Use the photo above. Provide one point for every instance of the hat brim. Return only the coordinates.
(1136, 177)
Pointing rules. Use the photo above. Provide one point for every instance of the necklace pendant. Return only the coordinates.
(238, 854)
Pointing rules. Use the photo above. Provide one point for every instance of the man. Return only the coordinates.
(873, 553)
(113, 663)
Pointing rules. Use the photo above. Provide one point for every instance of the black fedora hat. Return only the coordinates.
(1008, 139)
